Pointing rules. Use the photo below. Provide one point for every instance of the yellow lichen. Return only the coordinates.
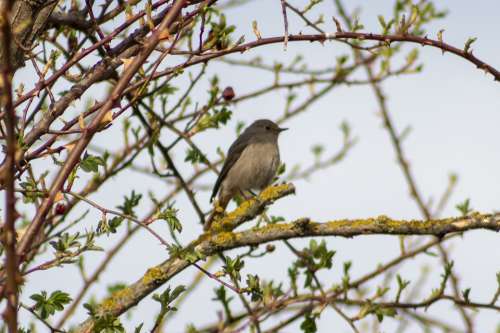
(223, 238)
(152, 274)
(218, 208)
(383, 219)
(273, 192)
(349, 223)
(108, 304)
(118, 296)
(227, 221)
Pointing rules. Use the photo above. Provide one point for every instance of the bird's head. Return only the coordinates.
(265, 127)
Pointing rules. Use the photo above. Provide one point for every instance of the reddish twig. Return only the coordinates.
(214, 277)
(89, 132)
(96, 25)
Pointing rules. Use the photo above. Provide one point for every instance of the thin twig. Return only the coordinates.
(285, 22)
(45, 322)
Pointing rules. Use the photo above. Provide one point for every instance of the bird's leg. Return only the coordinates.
(218, 211)
(247, 195)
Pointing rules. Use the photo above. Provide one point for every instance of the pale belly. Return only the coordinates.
(255, 169)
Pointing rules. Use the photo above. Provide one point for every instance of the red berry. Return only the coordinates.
(60, 209)
(228, 94)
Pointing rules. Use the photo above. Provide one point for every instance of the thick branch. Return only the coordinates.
(8, 234)
(343, 35)
(381, 225)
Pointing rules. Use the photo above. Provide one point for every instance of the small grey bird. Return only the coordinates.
(251, 162)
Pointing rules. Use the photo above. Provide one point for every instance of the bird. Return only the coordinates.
(251, 163)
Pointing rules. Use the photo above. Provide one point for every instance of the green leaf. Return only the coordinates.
(465, 294)
(167, 297)
(191, 255)
(239, 127)
(115, 223)
(309, 324)
(174, 250)
(108, 324)
(110, 226)
(464, 207)
(112, 288)
(221, 116)
(214, 119)
(194, 155)
(130, 203)
(412, 56)
(25, 330)
(31, 192)
(468, 44)
(91, 309)
(233, 267)
(253, 287)
(170, 216)
(276, 219)
(281, 169)
(345, 128)
(293, 274)
(177, 291)
(167, 89)
(381, 312)
(317, 150)
(90, 163)
(47, 306)
(65, 242)
(382, 22)
(138, 328)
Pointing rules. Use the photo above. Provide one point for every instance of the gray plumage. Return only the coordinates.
(251, 162)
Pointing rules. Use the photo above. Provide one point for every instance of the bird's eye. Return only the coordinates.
(268, 128)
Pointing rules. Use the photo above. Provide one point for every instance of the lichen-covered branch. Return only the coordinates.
(221, 238)
(381, 225)
(124, 299)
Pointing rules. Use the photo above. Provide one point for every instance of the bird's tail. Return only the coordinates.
(218, 211)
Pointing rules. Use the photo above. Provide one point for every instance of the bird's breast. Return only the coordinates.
(256, 167)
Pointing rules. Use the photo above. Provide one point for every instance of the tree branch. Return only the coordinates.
(156, 276)
(8, 235)
(381, 225)
(219, 240)
(82, 143)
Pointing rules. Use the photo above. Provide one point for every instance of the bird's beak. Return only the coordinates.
(280, 129)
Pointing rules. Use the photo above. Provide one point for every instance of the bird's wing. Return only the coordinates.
(232, 156)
